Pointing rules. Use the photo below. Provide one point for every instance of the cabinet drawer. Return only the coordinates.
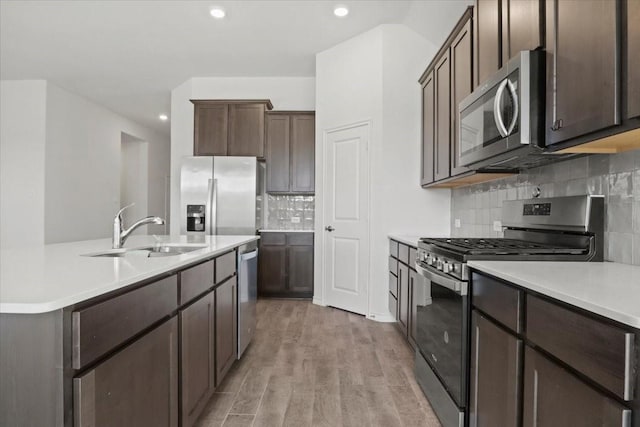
(273, 239)
(225, 266)
(393, 285)
(300, 239)
(102, 327)
(393, 265)
(413, 254)
(195, 281)
(403, 253)
(393, 305)
(393, 248)
(602, 352)
(498, 300)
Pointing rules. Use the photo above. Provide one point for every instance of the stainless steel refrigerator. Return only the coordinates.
(222, 195)
(218, 195)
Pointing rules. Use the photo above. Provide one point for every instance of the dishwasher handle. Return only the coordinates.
(248, 255)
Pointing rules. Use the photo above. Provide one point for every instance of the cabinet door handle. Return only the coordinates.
(329, 228)
(557, 125)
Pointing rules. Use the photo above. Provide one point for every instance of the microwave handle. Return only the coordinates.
(496, 109)
(514, 97)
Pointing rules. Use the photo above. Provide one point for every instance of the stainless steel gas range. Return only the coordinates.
(554, 229)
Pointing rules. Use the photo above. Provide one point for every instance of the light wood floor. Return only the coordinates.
(318, 366)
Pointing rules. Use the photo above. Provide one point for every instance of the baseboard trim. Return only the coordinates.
(317, 301)
(381, 317)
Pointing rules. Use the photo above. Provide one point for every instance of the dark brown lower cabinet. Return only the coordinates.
(137, 386)
(197, 357)
(403, 298)
(272, 278)
(494, 375)
(226, 327)
(285, 265)
(555, 397)
(300, 269)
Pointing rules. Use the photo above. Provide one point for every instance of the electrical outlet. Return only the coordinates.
(457, 222)
(497, 225)
(295, 220)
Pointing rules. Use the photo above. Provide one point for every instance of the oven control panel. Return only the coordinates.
(538, 209)
(442, 264)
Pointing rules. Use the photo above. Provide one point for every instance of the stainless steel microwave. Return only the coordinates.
(502, 121)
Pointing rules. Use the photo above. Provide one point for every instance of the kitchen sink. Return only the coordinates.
(148, 251)
(168, 250)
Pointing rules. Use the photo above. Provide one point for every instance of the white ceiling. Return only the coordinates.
(129, 55)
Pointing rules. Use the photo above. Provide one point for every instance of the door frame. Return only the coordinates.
(320, 220)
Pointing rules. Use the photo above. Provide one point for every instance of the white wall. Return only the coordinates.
(61, 163)
(134, 179)
(22, 167)
(82, 192)
(285, 93)
(374, 77)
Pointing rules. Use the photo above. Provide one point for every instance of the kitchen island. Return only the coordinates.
(93, 340)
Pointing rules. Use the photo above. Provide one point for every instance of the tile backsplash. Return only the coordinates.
(616, 176)
(286, 212)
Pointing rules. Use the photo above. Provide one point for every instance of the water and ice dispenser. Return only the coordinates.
(195, 217)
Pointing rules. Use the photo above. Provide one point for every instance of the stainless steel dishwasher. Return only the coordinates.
(247, 294)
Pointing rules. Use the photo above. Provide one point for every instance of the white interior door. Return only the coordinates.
(346, 218)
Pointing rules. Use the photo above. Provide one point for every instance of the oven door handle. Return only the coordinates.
(457, 286)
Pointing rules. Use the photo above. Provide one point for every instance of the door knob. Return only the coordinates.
(329, 228)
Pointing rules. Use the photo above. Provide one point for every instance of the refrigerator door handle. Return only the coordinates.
(207, 209)
(213, 201)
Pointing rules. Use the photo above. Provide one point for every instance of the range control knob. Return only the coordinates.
(430, 260)
(448, 267)
(439, 264)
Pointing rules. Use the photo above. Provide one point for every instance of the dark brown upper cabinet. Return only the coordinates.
(502, 29)
(446, 82)
(521, 27)
(487, 28)
(290, 152)
(428, 128)
(229, 128)
(633, 58)
(461, 87)
(211, 127)
(583, 80)
(442, 159)
(278, 156)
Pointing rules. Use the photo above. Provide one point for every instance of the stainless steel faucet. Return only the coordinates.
(120, 234)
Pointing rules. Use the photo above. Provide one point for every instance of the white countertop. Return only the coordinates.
(284, 231)
(609, 289)
(406, 239)
(50, 277)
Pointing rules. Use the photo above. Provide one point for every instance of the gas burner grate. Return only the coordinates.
(499, 246)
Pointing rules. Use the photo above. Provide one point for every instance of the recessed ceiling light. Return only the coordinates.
(217, 12)
(163, 117)
(341, 11)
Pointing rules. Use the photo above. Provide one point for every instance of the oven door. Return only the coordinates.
(441, 305)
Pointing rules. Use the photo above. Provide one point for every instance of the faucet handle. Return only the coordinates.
(123, 209)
